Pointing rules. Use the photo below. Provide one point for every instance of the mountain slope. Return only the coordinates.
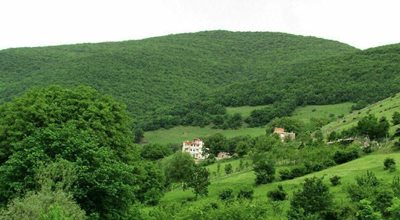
(382, 108)
(161, 72)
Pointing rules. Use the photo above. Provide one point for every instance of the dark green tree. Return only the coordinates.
(216, 143)
(396, 118)
(314, 199)
(139, 135)
(78, 125)
(228, 168)
(199, 181)
(265, 172)
(179, 167)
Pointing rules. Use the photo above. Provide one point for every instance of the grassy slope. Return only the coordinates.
(181, 133)
(160, 72)
(385, 108)
(321, 111)
(347, 172)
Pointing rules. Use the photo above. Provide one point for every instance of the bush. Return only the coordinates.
(228, 168)
(313, 201)
(265, 172)
(342, 156)
(285, 174)
(335, 180)
(396, 118)
(226, 195)
(278, 194)
(389, 164)
(245, 194)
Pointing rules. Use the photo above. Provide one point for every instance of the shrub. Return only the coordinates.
(298, 171)
(228, 168)
(365, 211)
(396, 118)
(313, 201)
(389, 164)
(278, 194)
(335, 180)
(265, 172)
(285, 174)
(342, 156)
(226, 195)
(245, 194)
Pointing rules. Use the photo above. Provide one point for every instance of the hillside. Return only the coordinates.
(305, 114)
(162, 72)
(384, 108)
(240, 180)
(369, 75)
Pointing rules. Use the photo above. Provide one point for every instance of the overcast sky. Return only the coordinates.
(361, 23)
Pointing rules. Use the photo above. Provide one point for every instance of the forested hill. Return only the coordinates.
(164, 71)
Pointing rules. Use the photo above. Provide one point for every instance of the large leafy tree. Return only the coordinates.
(81, 126)
(314, 199)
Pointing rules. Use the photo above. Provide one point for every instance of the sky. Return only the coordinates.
(360, 23)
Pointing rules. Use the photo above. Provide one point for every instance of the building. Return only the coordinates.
(194, 148)
(223, 155)
(283, 135)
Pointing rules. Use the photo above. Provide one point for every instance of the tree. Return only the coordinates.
(313, 199)
(373, 128)
(394, 209)
(332, 136)
(139, 135)
(51, 201)
(278, 194)
(366, 212)
(199, 181)
(265, 172)
(179, 167)
(226, 195)
(389, 164)
(335, 180)
(155, 151)
(215, 143)
(228, 168)
(78, 125)
(396, 118)
(245, 193)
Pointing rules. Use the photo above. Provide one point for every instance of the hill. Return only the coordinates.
(156, 74)
(368, 75)
(245, 179)
(180, 133)
(384, 108)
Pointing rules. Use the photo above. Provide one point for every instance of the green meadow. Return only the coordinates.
(245, 179)
(384, 108)
(180, 133)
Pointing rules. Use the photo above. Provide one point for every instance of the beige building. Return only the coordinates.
(283, 135)
(194, 148)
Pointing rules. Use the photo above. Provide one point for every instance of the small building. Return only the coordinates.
(223, 155)
(194, 148)
(283, 135)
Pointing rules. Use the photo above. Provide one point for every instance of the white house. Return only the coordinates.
(194, 148)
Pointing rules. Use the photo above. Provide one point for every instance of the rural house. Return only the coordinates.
(283, 135)
(194, 148)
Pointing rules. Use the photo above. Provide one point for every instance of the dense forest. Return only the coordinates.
(158, 77)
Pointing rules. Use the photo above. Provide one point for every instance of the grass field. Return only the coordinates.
(385, 108)
(245, 179)
(321, 111)
(181, 133)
